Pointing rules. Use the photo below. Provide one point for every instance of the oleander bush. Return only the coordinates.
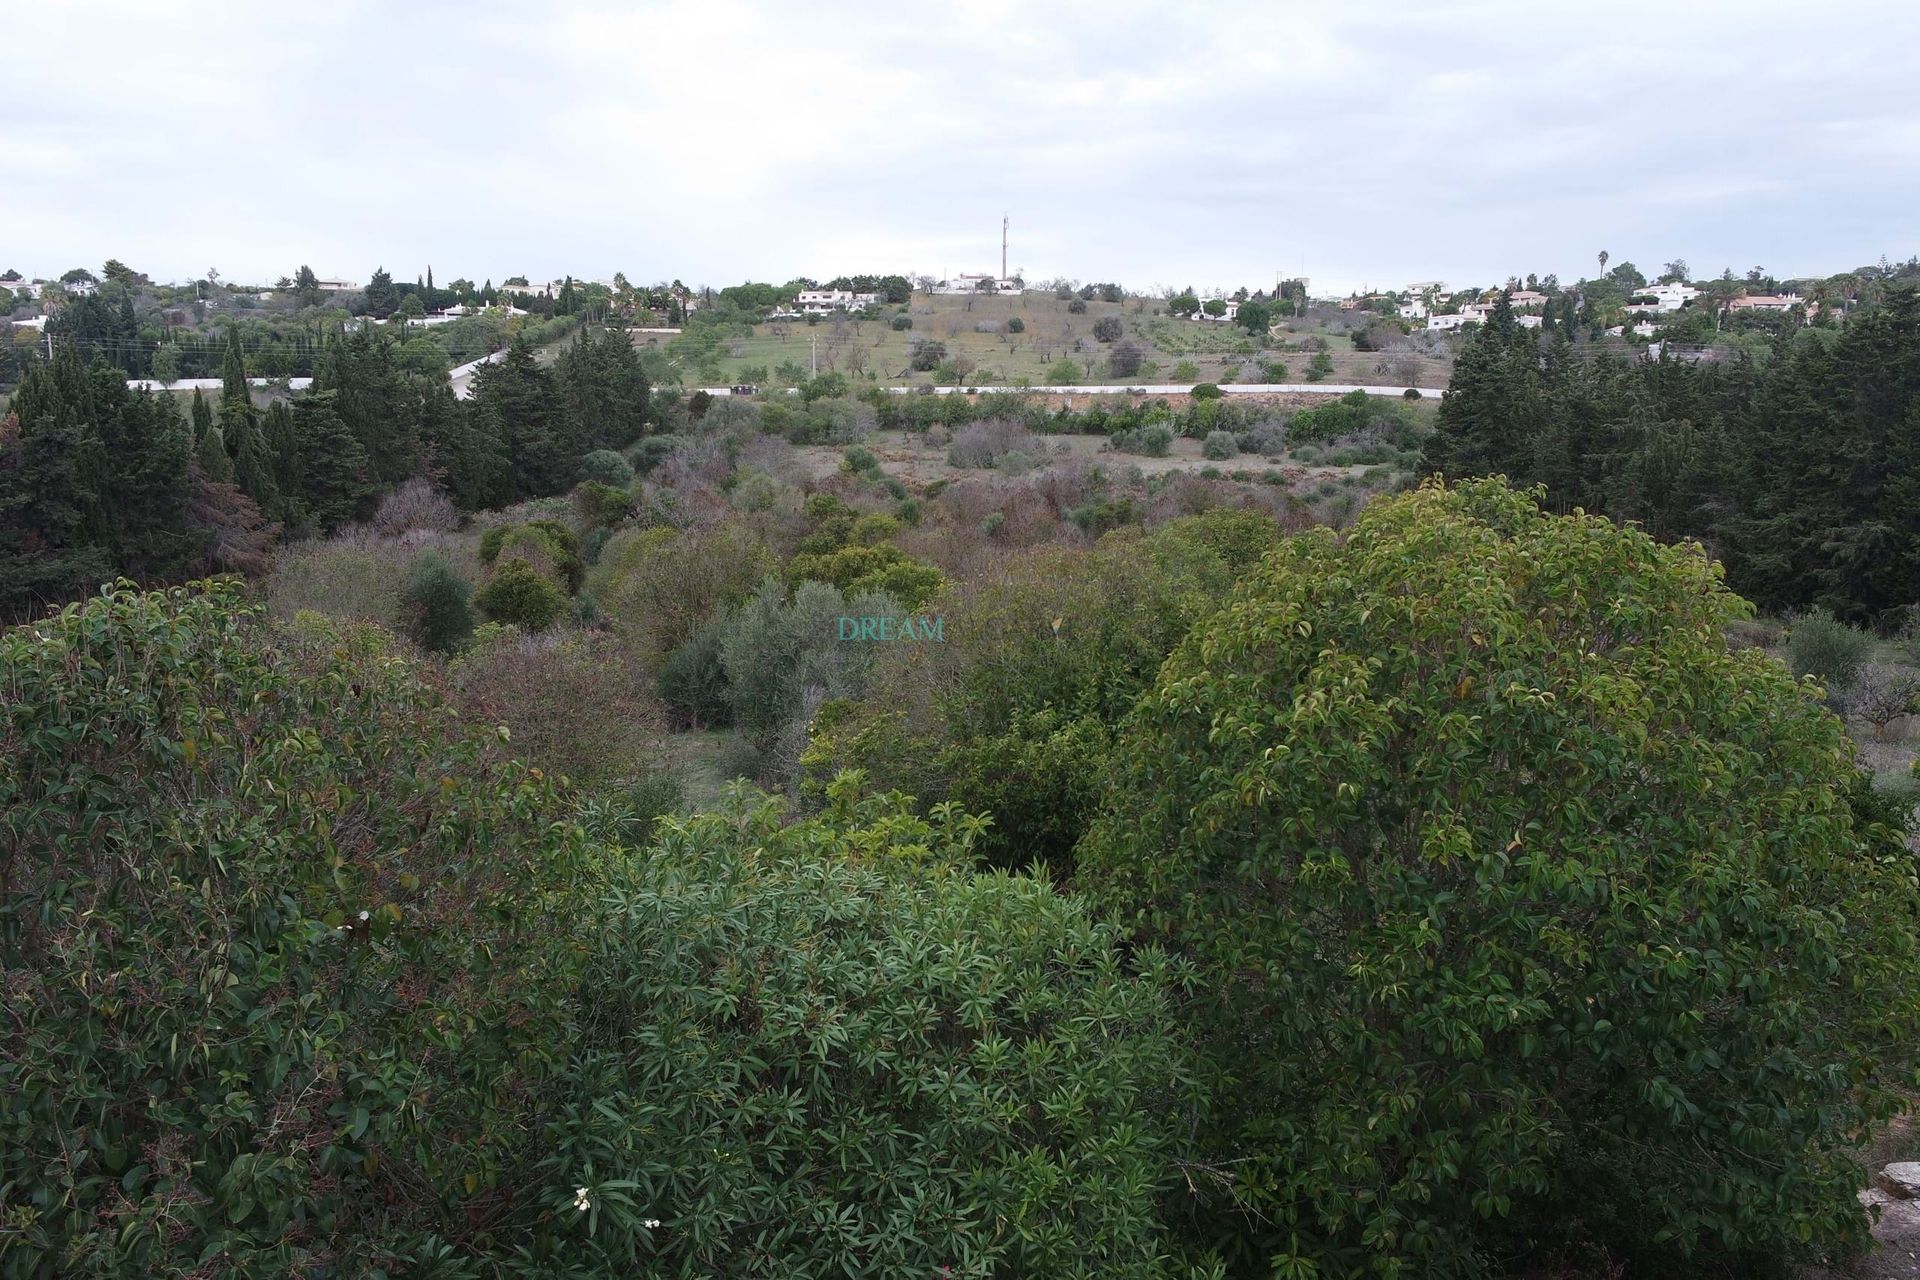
(1528, 912)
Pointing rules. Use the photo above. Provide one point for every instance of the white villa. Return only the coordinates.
(1415, 310)
(1665, 298)
(1232, 310)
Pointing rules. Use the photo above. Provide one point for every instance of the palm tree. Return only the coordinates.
(1603, 261)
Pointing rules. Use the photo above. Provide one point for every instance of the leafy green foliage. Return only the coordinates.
(604, 466)
(1821, 645)
(548, 544)
(246, 909)
(299, 982)
(520, 594)
(1525, 909)
(1012, 715)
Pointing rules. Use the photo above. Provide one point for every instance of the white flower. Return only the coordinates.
(581, 1200)
(364, 917)
(651, 1224)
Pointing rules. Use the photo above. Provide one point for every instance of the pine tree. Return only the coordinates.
(337, 476)
(519, 401)
(465, 451)
(49, 513)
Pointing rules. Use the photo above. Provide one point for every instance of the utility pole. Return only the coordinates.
(813, 344)
(1003, 246)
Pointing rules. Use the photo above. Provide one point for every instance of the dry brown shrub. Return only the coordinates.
(576, 704)
(415, 504)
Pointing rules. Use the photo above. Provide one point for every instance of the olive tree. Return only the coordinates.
(1527, 909)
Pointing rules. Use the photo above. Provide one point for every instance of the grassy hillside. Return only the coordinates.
(976, 334)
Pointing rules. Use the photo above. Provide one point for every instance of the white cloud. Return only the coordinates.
(716, 140)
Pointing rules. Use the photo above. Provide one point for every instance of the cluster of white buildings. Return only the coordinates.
(820, 302)
(966, 283)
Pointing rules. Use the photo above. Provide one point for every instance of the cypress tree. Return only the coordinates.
(202, 416)
(253, 469)
(215, 463)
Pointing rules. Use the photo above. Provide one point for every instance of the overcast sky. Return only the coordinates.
(1156, 143)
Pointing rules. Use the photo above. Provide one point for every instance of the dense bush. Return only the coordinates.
(1526, 909)
(1152, 440)
(574, 703)
(1107, 329)
(1220, 445)
(519, 594)
(651, 452)
(248, 903)
(604, 466)
(693, 681)
(955, 1072)
(299, 984)
(1206, 391)
(660, 585)
(1822, 646)
(1012, 713)
(982, 444)
(434, 605)
(548, 545)
(779, 653)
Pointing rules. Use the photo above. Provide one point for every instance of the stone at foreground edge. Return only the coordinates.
(1901, 1179)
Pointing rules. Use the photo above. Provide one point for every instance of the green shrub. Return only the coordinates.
(252, 896)
(604, 466)
(901, 323)
(1016, 325)
(434, 604)
(600, 507)
(547, 542)
(1206, 391)
(651, 452)
(693, 682)
(1220, 445)
(775, 651)
(860, 461)
(299, 982)
(517, 593)
(786, 1034)
(1525, 908)
(1822, 646)
(1152, 440)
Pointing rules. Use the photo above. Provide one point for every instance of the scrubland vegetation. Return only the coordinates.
(1037, 338)
(1270, 866)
